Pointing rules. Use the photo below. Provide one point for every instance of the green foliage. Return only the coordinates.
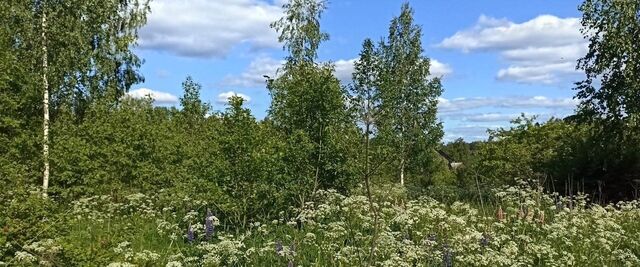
(191, 104)
(134, 183)
(610, 94)
(308, 101)
(89, 50)
(299, 30)
(523, 151)
(613, 62)
(408, 97)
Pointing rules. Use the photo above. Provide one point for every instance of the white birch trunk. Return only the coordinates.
(45, 126)
(402, 171)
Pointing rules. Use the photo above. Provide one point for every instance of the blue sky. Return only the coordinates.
(497, 58)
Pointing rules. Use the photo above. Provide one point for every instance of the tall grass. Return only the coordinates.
(532, 229)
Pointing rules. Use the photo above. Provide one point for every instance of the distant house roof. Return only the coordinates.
(451, 162)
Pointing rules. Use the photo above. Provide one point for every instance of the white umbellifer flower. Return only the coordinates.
(121, 264)
(191, 216)
(310, 237)
(22, 256)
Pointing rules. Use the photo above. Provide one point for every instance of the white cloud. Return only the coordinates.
(499, 116)
(223, 98)
(461, 104)
(469, 132)
(543, 74)
(204, 28)
(439, 69)
(158, 97)
(490, 117)
(253, 76)
(344, 69)
(541, 50)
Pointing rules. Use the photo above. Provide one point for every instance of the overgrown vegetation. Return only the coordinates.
(335, 175)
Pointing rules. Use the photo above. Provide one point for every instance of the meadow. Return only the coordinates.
(521, 226)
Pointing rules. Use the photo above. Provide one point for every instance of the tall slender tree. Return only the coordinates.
(365, 99)
(45, 101)
(408, 95)
(365, 103)
(307, 98)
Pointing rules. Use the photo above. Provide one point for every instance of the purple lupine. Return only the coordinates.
(290, 264)
(484, 241)
(190, 236)
(209, 227)
(279, 246)
(292, 247)
(447, 257)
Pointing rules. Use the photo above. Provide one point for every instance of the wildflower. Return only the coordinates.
(290, 264)
(209, 227)
(174, 264)
(447, 257)
(522, 213)
(500, 214)
(190, 235)
(432, 238)
(279, 246)
(484, 241)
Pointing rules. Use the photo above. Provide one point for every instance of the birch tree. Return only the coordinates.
(45, 101)
(408, 96)
(307, 97)
(78, 53)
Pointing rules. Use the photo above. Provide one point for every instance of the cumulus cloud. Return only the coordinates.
(157, 96)
(344, 69)
(439, 69)
(461, 104)
(204, 28)
(542, 50)
(253, 76)
(223, 98)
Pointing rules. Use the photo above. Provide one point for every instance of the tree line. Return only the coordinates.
(67, 125)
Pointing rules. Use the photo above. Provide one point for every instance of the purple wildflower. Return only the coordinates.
(484, 241)
(292, 247)
(290, 264)
(447, 257)
(559, 205)
(190, 235)
(279, 246)
(209, 227)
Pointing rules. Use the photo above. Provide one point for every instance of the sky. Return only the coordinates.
(497, 58)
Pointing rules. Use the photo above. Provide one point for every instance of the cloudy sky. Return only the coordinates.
(497, 58)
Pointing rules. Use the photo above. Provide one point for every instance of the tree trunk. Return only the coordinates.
(45, 126)
(367, 182)
(402, 171)
(317, 176)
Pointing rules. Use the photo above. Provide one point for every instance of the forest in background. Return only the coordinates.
(66, 65)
